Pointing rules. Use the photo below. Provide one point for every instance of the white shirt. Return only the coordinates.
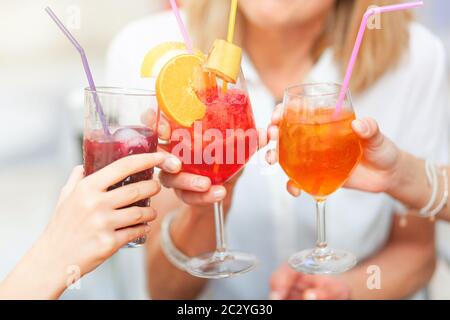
(409, 103)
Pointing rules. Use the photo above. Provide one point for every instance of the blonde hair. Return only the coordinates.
(380, 51)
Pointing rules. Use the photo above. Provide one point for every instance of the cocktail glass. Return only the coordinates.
(124, 110)
(218, 147)
(318, 151)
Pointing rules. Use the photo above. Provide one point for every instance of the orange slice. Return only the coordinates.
(176, 89)
(157, 57)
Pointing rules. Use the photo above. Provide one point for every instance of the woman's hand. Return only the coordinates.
(377, 171)
(379, 167)
(288, 284)
(89, 225)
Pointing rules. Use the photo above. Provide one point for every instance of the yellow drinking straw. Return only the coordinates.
(230, 35)
(232, 20)
(225, 57)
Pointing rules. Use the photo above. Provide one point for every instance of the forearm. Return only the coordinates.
(412, 187)
(38, 276)
(406, 264)
(192, 236)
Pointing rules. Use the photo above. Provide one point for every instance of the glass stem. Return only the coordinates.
(221, 246)
(321, 244)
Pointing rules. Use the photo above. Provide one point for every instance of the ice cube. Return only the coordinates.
(131, 139)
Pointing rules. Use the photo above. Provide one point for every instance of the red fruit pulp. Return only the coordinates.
(219, 153)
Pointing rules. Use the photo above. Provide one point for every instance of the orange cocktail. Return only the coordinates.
(319, 152)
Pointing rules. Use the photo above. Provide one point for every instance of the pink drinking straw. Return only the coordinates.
(359, 38)
(85, 66)
(176, 12)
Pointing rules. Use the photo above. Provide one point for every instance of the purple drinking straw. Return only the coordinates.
(87, 70)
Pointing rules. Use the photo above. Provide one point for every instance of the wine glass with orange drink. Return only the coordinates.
(318, 151)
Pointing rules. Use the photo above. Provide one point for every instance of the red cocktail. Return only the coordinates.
(100, 151)
(126, 135)
(222, 143)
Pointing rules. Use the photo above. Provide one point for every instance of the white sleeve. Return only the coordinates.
(426, 111)
(119, 68)
(426, 115)
(128, 49)
(433, 122)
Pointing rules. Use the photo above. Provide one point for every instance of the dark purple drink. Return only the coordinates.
(100, 151)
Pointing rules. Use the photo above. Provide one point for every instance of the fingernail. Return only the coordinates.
(219, 194)
(162, 129)
(274, 296)
(172, 164)
(273, 133)
(360, 126)
(310, 295)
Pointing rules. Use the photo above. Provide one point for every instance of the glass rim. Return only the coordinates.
(121, 91)
(288, 93)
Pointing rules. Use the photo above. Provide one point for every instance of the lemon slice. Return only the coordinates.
(176, 89)
(157, 57)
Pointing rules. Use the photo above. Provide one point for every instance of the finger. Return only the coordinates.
(171, 165)
(314, 294)
(164, 130)
(76, 176)
(368, 130)
(282, 281)
(123, 168)
(149, 118)
(304, 282)
(263, 138)
(271, 157)
(324, 294)
(293, 189)
(185, 181)
(131, 193)
(124, 236)
(132, 216)
(273, 132)
(214, 194)
(277, 114)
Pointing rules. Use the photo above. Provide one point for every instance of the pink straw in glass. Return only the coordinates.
(182, 27)
(85, 66)
(369, 13)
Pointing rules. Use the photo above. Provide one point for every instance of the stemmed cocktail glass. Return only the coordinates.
(218, 147)
(318, 151)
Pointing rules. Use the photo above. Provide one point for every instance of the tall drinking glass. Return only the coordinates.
(318, 151)
(124, 110)
(218, 147)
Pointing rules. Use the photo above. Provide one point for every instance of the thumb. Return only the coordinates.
(379, 151)
(367, 129)
(76, 176)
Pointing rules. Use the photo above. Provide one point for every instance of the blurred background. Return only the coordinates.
(41, 94)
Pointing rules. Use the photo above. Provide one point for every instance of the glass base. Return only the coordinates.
(139, 242)
(221, 265)
(322, 261)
